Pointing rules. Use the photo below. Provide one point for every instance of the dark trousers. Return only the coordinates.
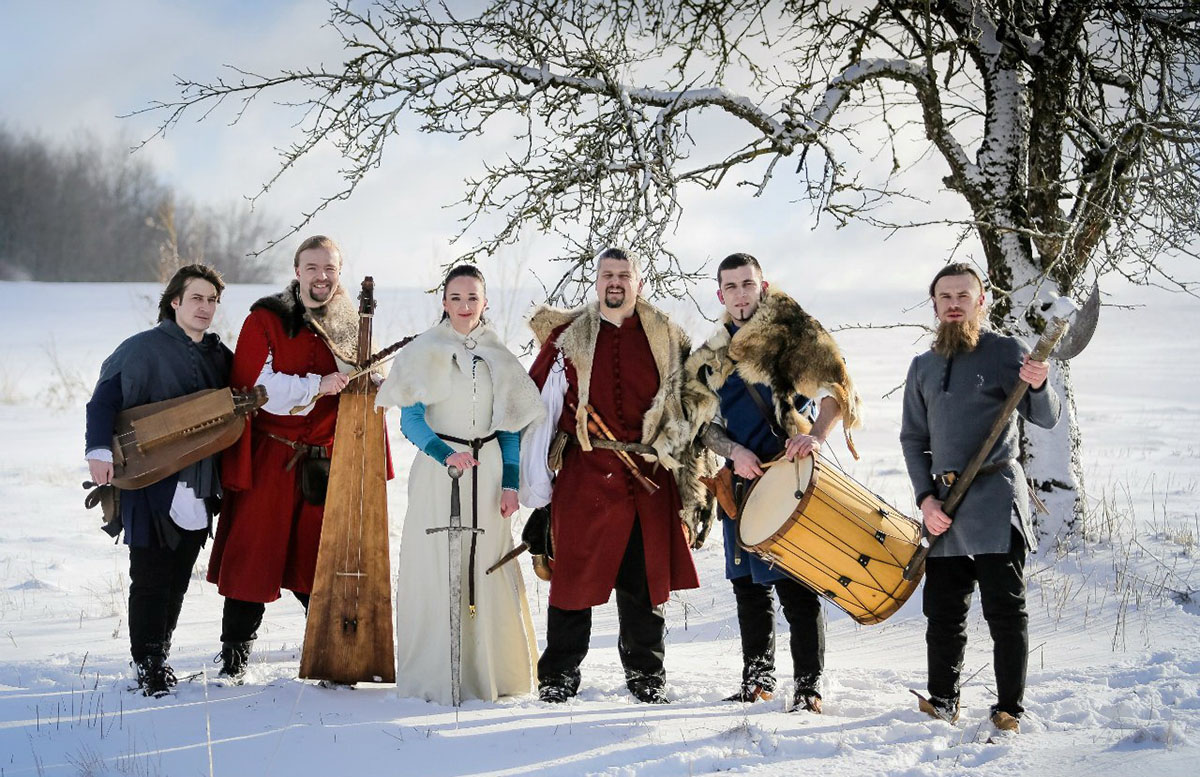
(158, 579)
(949, 584)
(641, 634)
(756, 621)
(240, 620)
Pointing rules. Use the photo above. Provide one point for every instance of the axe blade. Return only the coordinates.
(1083, 326)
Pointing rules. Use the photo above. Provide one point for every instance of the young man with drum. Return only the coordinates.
(747, 386)
(952, 396)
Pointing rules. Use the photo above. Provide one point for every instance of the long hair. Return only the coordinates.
(175, 287)
(463, 271)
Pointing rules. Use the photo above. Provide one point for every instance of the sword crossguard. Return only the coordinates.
(470, 529)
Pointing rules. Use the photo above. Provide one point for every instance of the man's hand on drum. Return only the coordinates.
(801, 445)
(745, 463)
(936, 521)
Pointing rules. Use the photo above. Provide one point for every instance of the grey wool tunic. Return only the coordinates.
(949, 408)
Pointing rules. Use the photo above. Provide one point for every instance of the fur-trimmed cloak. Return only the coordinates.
(267, 536)
(463, 399)
(423, 369)
(782, 347)
(595, 501)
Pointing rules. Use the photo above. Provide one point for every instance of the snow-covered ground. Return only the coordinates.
(1114, 681)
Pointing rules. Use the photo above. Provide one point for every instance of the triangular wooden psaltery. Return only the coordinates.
(348, 638)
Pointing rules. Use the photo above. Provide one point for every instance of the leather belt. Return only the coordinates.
(302, 450)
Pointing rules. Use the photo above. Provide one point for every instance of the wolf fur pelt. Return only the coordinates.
(782, 347)
(664, 426)
(335, 322)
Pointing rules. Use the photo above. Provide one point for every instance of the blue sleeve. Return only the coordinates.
(102, 412)
(510, 455)
(414, 427)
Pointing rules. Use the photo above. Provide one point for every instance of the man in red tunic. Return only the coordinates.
(621, 356)
(269, 531)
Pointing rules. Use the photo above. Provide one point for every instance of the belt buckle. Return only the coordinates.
(947, 478)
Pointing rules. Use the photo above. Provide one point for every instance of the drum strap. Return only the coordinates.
(768, 413)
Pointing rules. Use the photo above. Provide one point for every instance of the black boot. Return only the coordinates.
(648, 690)
(750, 693)
(806, 696)
(758, 680)
(233, 658)
(807, 699)
(154, 676)
(172, 681)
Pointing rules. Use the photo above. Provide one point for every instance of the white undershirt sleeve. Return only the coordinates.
(536, 477)
(285, 391)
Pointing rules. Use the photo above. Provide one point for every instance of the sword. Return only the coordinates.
(452, 532)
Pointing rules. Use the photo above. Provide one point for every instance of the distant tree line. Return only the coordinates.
(88, 211)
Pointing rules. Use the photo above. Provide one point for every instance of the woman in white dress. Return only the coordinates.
(464, 400)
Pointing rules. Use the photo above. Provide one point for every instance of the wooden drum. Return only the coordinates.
(829, 532)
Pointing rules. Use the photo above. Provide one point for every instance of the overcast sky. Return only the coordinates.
(72, 67)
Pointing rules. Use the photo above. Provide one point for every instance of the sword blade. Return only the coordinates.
(455, 538)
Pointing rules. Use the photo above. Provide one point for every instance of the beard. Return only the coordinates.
(311, 300)
(614, 300)
(956, 337)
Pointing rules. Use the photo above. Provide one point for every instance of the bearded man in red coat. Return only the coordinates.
(270, 527)
(623, 357)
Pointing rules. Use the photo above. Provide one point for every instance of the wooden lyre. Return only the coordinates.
(159, 439)
(349, 636)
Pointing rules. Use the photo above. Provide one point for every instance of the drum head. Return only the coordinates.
(773, 499)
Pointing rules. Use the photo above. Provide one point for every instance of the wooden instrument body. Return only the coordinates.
(838, 538)
(159, 439)
(349, 637)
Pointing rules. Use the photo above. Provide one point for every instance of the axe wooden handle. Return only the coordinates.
(1041, 352)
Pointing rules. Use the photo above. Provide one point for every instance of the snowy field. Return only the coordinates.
(1114, 680)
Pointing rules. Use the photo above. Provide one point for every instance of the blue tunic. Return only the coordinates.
(151, 366)
(747, 427)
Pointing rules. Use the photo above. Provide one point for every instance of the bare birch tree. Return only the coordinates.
(1069, 129)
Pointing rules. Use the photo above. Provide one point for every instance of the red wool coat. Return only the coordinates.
(268, 536)
(595, 498)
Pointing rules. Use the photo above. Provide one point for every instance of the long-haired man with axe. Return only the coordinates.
(954, 393)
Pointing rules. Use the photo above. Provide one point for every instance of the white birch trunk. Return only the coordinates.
(1051, 457)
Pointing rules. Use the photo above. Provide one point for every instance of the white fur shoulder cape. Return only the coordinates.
(422, 369)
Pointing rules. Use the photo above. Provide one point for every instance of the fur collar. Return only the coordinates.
(663, 422)
(781, 346)
(335, 322)
(423, 369)
(665, 426)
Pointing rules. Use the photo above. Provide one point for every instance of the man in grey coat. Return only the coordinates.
(952, 396)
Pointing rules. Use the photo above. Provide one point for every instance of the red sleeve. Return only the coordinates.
(253, 346)
(545, 358)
